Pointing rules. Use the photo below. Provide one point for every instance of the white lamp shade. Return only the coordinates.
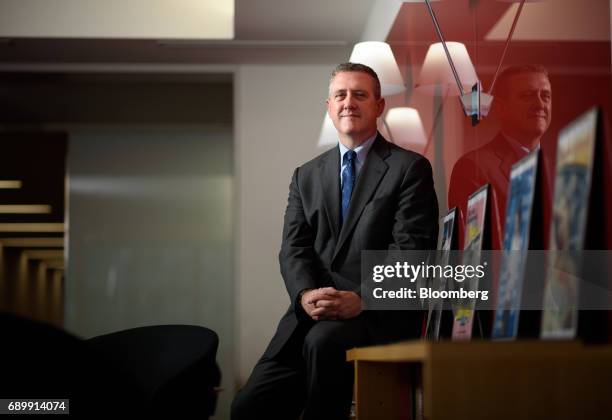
(436, 70)
(406, 128)
(379, 57)
(328, 135)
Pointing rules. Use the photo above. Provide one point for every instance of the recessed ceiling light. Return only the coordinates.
(32, 242)
(25, 209)
(10, 184)
(32, 227)
(43, 254)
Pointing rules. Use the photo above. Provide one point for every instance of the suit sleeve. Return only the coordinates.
(416, 217)
(298, 261)
(415, 227)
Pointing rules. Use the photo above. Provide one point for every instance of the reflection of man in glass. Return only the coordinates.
(523, 105)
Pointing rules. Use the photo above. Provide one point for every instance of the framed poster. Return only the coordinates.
(463, 310)
(447, 239)
(448, 230)
(517, 230)
(573, 178)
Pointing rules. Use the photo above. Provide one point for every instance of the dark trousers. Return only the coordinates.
(309, 374)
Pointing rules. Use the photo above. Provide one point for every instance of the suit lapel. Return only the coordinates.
(329, 178)
(507, 156)
(369, 177)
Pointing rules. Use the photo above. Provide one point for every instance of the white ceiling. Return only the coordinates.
(266, 31)
(566, 20)
(126, 19)
(301, 20)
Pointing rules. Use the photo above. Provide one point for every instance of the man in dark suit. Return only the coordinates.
(523, 102)
(364, 194)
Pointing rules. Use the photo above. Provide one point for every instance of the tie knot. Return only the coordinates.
(350, 156)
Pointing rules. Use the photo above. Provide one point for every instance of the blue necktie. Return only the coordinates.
(348, 181)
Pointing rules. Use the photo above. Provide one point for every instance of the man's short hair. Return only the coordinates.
(359, 68)
(502, 85)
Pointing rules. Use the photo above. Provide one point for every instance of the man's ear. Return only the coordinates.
(498, 107)
(381, 106)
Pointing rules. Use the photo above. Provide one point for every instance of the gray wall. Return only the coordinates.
(150, 233)
(278, 115)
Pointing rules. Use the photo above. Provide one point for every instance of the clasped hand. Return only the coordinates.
(328, 303)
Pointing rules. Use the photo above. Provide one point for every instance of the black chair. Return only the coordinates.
(173, 365)
(168, 369)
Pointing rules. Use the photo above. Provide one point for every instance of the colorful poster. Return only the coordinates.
(516, 243)
(463, 310)
(575, 155)
(476, 210)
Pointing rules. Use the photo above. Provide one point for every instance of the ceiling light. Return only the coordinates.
(406, 129)
(43, 254)
(32, 242)
(436, 70)
(10, 184)
(328, 135)
(379, 57)
(25, 209)
(32, 227)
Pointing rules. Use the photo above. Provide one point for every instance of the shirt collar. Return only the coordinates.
(517, 146)
(361, 150)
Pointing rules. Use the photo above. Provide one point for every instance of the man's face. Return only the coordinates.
(526, 110)
(352, 106)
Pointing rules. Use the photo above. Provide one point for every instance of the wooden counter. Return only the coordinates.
(483, 380)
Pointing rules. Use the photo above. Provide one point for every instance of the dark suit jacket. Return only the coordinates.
(393, 206)
(489, 164)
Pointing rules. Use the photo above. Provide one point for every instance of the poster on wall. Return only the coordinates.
(464, 309)
(573, 178)
(519, 211)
